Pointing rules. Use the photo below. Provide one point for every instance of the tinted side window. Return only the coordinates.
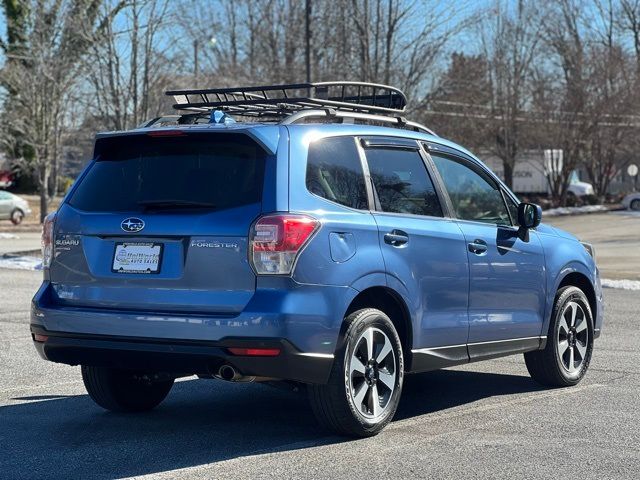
(473, 197)
(334, 172)
(402, 182)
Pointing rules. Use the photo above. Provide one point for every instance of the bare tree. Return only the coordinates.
(39, 77)
(262, 41)
(562, 97)
(510, 38)
(612, 96)
(460, 105)
(629, 20)
(128, 62)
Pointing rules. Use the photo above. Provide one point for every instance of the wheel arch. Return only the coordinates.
(390, 302)
(581, 281)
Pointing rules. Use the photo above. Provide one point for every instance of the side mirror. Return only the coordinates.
(529, 215)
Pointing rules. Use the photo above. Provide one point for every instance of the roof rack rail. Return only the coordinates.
(327, 113)
(284, 100)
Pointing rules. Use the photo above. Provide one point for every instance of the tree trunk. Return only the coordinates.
(43, 184)
(508, 173)
(52, 181)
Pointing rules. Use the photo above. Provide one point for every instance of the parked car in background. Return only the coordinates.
(580, 189)
(577, 187)
(632, 201)
(529, 176)
(339, 247)
(13, 208)
(6, 179)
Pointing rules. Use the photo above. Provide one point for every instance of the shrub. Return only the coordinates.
(591, 200)
(64, 184)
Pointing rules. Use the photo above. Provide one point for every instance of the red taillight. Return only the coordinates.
(40, 338)
(255, 352)
(276, 241)
(47, 239)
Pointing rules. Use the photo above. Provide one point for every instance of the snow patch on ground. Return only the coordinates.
(21, 263)
(8, 236)
(621, 284)
(556, 212)
(627, 213)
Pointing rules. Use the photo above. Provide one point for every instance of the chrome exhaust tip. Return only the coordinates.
(228, 373)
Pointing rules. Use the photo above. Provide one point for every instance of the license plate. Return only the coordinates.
(137, 258)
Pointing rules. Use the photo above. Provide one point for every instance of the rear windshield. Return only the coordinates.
(141, 172)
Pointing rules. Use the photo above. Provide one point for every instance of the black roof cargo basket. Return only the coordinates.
(283, 100)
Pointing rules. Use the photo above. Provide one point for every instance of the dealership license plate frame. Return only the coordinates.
(137, 270)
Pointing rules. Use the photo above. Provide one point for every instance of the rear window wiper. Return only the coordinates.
(167, 204)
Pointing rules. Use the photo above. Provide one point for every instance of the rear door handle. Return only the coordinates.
(478, 247)
(396, 238)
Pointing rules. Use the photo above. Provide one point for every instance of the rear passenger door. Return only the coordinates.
(507, 281)
(424, 252)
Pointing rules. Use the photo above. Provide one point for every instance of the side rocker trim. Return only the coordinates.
(426, 359)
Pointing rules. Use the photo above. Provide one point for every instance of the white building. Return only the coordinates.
(528, 175)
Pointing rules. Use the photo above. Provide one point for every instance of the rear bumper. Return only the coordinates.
(182, 356)
(302, 320)
(308, 316)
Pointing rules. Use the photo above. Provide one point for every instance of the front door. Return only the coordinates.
(506, 267)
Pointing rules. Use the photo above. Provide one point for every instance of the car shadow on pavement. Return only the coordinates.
(443, 389)
(200, 422)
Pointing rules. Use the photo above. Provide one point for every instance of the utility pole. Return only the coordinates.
(195, 60)
(307, 34)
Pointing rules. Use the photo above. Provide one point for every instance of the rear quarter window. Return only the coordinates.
(334, 172)
(132, 172)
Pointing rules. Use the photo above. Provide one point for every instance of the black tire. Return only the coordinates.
(17, 216)
(635, 204)
(122, 390)
(549, 367)
(333, 404)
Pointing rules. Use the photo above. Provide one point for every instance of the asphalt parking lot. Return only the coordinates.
(616, 237)
(485, 420)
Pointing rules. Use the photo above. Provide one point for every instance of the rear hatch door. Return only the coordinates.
(160, 223)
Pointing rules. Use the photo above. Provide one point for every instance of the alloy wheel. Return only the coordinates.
(372, 373)
(573, 337)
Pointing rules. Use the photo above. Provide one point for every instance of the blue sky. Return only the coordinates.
(466, 41)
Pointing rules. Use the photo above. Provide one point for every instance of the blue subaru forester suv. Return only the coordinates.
(326, 242)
